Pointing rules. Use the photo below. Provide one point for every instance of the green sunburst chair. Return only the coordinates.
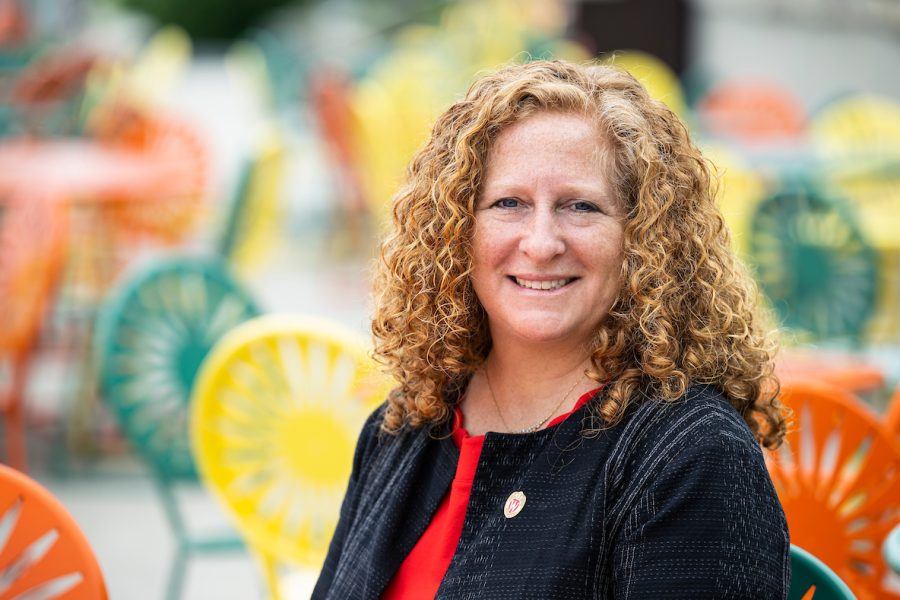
(813, 263)
(157, 327)
(151, 337)
(811, 579)
(891, 549)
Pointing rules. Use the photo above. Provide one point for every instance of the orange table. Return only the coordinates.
(103, 190)
(86, 170)
(44, 186)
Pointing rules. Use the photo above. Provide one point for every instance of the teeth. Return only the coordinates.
(542, 285)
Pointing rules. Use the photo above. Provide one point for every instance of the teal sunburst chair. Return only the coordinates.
(157, 327)
(151, 337)
(891, 549)
(811, 579)
(813, 263)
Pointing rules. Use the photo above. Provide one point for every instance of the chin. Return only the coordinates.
(541, 334)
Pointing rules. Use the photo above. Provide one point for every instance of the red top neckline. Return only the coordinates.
(421, 573)
(460, 434)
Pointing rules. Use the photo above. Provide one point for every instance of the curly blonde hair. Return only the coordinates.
(685, 313)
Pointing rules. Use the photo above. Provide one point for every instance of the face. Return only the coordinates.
(547, 245)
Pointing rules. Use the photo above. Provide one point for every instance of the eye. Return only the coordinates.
(507, 203)
(583, 206)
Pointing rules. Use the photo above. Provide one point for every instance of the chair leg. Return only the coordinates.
(14, 418)
(15, 439)
(175, 585)
(270, 573)
(173, 516)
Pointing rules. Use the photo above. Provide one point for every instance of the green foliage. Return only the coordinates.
(208, 20)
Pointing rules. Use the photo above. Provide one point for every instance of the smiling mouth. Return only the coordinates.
(553, 284)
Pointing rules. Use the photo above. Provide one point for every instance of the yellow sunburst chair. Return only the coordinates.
(276, 411)
(660, 80)
(858, 140)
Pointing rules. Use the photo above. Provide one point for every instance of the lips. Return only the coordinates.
(542, 284)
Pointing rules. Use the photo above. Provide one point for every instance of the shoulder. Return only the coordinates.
(692, 487)
(371, 436)
(700, 433)
(375, 445)
(703, 418)
(371, 429)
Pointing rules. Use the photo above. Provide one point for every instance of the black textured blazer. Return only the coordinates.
(673, 502)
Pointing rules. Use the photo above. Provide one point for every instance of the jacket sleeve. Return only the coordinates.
(706, 524)
(364, 445)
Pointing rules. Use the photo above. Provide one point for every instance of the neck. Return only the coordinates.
(529, 383)
(538, 369)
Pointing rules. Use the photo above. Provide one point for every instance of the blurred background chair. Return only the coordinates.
(892, 414)
(858, 138)
(168, 215)
(891, 549)
(43, 552)
(660, 80)
(250, 228)
(752, 112)
(857, 126)
(125, 175)
(813, 263)
(155, 331)
(82, 184)
(276, 413)
(30, 266)
(44, 96)
(838, 478)
(821, 276)
(811, 579)
(152, 335)
(124, 109)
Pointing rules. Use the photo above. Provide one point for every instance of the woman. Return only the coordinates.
(583, 386)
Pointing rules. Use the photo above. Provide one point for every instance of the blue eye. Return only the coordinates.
(584, 207)
(507, 203)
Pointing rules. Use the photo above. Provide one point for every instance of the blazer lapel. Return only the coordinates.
(416, 477)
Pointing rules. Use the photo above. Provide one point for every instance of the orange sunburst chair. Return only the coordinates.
(43, 552)
(892, 416)
(32, 247)
(845, 371)
(107, 233)
(838, 478)
(169, 218)
(752, 112)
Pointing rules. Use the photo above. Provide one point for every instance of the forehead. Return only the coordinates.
(548, 144)
(550, 119)
(560, 130)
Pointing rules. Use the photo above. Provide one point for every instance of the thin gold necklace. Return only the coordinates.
(534, 427)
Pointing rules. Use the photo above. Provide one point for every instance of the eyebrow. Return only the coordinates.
(587, 192)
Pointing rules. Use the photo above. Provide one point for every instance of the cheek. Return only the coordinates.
(615, 277)
(607, 263)
(487, 248)
(602, 248)
(481, 252)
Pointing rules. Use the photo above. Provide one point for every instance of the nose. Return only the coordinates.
(542, 239)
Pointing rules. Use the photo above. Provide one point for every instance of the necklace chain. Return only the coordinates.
(537, 425)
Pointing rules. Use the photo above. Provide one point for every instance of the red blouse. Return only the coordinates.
(422, 571)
